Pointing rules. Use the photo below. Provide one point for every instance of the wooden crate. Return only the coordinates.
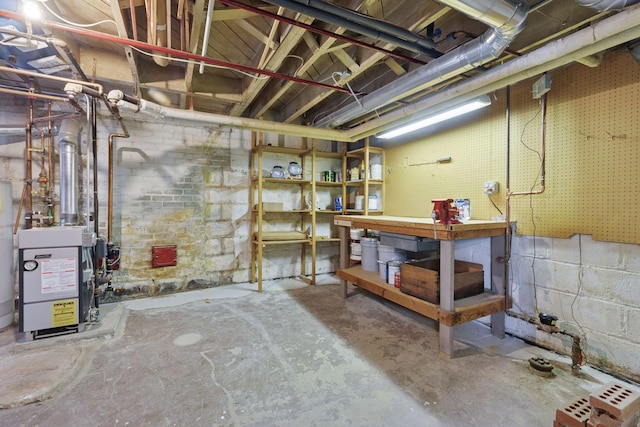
(422, 279)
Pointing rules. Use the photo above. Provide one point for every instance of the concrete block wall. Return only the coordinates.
(184, 186)
(594, 289)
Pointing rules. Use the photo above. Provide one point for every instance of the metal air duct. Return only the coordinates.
(68, 139)
(506, 20)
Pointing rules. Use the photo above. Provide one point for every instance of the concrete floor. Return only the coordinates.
(293, 355)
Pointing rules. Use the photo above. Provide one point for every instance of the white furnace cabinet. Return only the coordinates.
(55, 285)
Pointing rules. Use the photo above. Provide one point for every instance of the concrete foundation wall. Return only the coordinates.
(594, 289)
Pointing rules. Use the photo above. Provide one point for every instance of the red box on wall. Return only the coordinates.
(164, 256)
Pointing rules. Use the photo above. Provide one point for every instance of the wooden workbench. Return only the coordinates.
(449, 312)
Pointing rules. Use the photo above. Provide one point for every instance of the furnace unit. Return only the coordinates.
(56, 284)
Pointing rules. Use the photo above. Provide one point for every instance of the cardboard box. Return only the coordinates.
(422, 279)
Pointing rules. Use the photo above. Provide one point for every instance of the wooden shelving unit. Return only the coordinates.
(304, 231)
(364, 185)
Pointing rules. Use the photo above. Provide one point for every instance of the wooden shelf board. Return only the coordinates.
(329, 239)
(423, 227)
(360, 182)
(306, 211)
(286, 181)
(328, 184)
(329, 154)
(283, 150)
(465, 310)
(281, 242)
(360, 151)
(275, 236)
(329, 212)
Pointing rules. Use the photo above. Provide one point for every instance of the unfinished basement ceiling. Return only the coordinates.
(305, 74)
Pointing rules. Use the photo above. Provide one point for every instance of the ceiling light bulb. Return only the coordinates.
(31, 10)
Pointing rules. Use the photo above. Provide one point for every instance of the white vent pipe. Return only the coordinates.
(506, 20)
(175, 115)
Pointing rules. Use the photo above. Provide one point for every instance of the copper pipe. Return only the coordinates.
(17, 224)
(110, 190)
(32, 94)
(97, 86)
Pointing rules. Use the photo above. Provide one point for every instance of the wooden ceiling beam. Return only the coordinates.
(196, 27)
(291, 40)
(258, 35)
(116, 10)
(309, 98)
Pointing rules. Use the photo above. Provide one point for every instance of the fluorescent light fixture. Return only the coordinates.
(472, 105)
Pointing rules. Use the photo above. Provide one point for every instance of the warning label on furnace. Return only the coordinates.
(58, 275)
(64, 312)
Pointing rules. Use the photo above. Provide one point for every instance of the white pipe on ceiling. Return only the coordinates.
(199, 118)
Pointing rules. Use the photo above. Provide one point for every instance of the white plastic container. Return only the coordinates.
(369, 253)
(360, 202)
(376, 171)
(356, 233)
(382, 270)
(392, 269)
(373, 203)
(356, 248)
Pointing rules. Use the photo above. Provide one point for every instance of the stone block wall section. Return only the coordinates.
(184, 186)
(594, 289)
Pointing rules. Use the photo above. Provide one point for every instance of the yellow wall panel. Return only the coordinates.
(592, 156)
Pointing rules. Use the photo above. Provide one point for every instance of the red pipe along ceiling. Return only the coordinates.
(176, 53)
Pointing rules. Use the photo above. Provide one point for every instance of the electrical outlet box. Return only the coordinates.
(490, 187)
(541, 86)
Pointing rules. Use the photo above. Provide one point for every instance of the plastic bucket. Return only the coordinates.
(376, 171)
(369, 253)
(382, 269)
(394, 267)
(356, 233)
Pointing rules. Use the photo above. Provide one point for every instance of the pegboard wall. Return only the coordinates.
(592, 157)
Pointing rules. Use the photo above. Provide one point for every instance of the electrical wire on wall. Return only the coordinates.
(533, 221)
